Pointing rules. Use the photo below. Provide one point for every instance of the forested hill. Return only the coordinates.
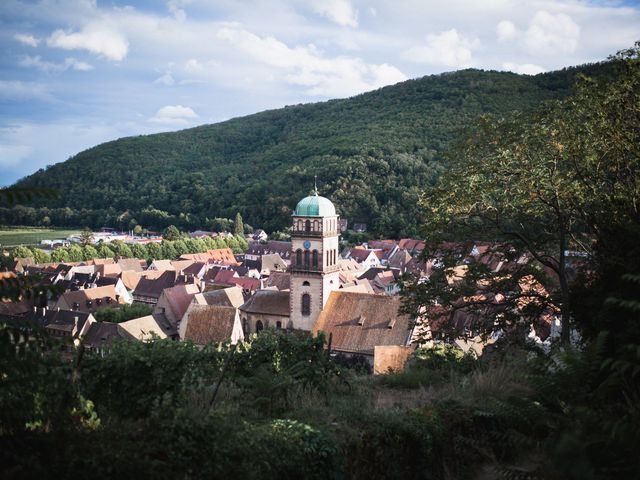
(372, 154)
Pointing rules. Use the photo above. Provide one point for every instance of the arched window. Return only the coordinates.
(299, 226)
(259, 326)
(298, 257)
(307, 226)
(314, 259)
(278, 324)
(306, 258)
(306, 304)
(306, 284)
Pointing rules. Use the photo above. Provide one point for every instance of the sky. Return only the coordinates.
(76, 73)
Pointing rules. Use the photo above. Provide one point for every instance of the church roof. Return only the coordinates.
(315, 206)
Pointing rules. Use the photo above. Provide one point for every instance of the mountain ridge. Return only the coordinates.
(372, 153)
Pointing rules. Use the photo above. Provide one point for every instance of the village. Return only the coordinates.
(308, 284)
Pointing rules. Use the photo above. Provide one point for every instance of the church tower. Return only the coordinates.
(314, 259)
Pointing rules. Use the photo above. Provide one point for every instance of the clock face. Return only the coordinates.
(307, 244)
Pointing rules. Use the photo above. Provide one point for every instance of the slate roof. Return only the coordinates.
(358, 322)
(209, 324)
(268, 302)
(132, 264)
(144, 328)
(272, 246)
(280, 280)
(228, 297)
(104, 334)
(179, 297)
(153, 287)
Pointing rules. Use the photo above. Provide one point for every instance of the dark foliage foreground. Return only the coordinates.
(285, 410)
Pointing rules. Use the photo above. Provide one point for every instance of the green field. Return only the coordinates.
(11, 237)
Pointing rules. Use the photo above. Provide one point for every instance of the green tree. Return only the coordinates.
(139, 251)
(104, 251)
(89, 252)
(238, 226)
(86, 237)
(75, 253)
(60, 254)
(40, 256)
(21, 252)
(121, 249)
(168, 250)
(154, 252)
(171, 233)
(137, 230)
(180, 248)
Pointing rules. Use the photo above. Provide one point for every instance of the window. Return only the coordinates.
(306, 304)
(278, 324)
(314, 260)
(306, 258)
(298, 257)
(307, 226)
(259, 326)
(306, 284)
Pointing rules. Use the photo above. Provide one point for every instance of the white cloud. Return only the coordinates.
(69, 63)
(524, 68)
(166, 79)
(15, 90)
(449, 49)
(338, 11)
(308, 67)
(174, 115)
(27, 39)
(506, 30)
(95, 38)
(12, 155)
(552, 33)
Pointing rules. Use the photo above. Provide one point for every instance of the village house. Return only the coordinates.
(174, 301)
(92, 299)
(204, 324)
(265, 309)
(357, 323)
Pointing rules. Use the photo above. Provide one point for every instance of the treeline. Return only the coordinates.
(372, 153)
(151, 218)
(165, 250)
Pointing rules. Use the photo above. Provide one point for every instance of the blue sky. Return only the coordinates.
(76, 73)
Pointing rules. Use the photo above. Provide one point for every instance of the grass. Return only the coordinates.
(28, 236)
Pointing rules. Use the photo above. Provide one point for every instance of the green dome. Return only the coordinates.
(315, 206)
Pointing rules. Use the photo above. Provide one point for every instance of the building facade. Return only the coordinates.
(314, 260)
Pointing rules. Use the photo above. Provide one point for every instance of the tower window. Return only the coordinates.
(314, 260)
(298, 257)
(306, 284)
(307, 226)
(306, 304)
(306, 258)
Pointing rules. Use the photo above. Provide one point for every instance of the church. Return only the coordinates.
(360, 324)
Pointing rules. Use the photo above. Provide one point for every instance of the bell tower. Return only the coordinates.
(314, 259)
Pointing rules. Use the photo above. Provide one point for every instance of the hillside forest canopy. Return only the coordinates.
(373, 154)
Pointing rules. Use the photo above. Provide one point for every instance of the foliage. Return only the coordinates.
(123, 313)
(238, 226)
(171, 233)
(373, 154)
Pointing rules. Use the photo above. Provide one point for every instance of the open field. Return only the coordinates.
(10, 237)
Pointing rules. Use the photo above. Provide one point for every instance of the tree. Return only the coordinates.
(75, 253)
(104, 251)
(171, 233)
(168, 250)
(180, 248)
(89, 252)
(86, 237)
(60, 254)
(22, 252)
(139, 251)
(40, 256)
(154, 252)
(540, 183)
(238, 226)
(137, 230)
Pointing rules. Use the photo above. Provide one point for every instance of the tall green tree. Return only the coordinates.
(171, 233)
(86, 236)
(238, 226)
